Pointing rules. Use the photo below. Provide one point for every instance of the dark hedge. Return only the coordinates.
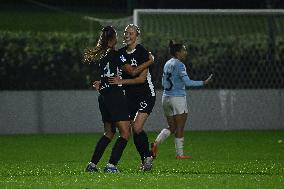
(42, 61)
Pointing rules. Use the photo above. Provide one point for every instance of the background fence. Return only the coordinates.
(77, 111)
(243, 48)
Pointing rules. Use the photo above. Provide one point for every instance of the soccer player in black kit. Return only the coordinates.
(115, 113)
(139, 91)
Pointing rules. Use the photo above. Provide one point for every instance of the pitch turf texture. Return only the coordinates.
(238, 159)
(36, 20)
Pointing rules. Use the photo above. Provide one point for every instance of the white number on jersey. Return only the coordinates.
(107, 71)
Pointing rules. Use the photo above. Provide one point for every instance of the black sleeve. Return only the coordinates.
(143, 53)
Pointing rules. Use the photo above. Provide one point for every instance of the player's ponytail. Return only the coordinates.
(93, 54)
(174, 47)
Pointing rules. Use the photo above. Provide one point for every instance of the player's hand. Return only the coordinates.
(96, 85)
(208, 80)
(114, 80)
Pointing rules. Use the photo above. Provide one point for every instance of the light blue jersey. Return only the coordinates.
(175, 78)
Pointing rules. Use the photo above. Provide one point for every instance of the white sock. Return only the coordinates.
(165, 133)
(179, 146)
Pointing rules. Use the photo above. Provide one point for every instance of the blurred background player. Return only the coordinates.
(174, 81)
(139, 90)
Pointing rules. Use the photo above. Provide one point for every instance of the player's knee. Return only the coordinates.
(124, 134)
(172, 130)
(109, 134)
(137, 130)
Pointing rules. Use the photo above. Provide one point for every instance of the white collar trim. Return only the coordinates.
(130, 52)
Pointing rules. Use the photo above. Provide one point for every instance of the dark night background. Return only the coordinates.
(128, 4)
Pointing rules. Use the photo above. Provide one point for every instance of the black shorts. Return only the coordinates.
(141, 104)
(113, 106)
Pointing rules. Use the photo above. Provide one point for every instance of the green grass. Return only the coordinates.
(239, 159)
(53, 21)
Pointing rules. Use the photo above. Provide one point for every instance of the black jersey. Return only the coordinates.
(109, 67)
(138, 56)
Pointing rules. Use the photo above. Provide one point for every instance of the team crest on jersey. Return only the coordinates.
(122, 58)
(133, 62)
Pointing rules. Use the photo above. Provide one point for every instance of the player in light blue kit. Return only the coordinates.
(175, 80)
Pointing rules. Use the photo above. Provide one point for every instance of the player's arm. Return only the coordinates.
(134, 71)
(184, 76)
(208, 80)
(192, 83)
(96, 85)
(137, 80)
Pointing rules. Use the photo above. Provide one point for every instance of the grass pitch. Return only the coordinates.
(238, 159)
(37, 20)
